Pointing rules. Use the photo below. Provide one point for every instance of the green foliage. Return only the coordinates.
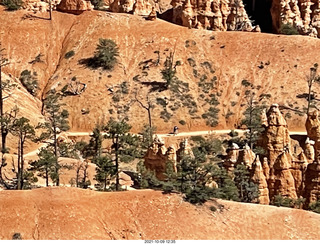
(252, 115)
(206, 149)
(282, 201)
(315, 206)
(69, 54)
(105, 55)
(182, 122)
(125, 146)
(29, 81)
(56, 122)
(288, 29)
(248, 191)
(147, 137)
(198, 194)
(226, 186)
(16, 236)
(12, 5)
(94, 148)
(28, 180)
(213, 208)
(105, 171)
(146, 178)
(45, 166)
(97, 4)
(169, 71)
(212, 116)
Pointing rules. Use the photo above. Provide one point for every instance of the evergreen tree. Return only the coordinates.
(226, 186)
(56, 122)
(23, 130)
(5, 118)
(94, 148)
(124, 145)
(248, 191)
(105, 171)
(311, 79)
(252, 115)
(105, 55)
(45, 166)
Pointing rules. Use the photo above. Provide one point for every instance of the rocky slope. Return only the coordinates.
(277, 65)
(69, 213)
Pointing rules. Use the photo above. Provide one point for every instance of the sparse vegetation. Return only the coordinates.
(12, 5)
(69, 54)
(29, 80)
(105, 56)
(288, 29)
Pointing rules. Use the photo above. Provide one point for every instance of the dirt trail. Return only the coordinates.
(72, 213)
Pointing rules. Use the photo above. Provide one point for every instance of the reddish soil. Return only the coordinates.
(277, 63)
(70, 213)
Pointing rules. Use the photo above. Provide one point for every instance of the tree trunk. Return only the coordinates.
(22, 163)
(55, 142)
(50, 10)
(105, 182)
(19, 166)
(47, 177)
(117, 163)
(309, 97)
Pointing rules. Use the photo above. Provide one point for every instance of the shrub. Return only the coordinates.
(97, 4)
(29, 81)
(105, 55)
(16, 236)
(213, 208)
(69, 54)
(315, 207)
(182, 122)
(288, 29)
(12, 5)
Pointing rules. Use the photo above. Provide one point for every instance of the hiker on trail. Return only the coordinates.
(175, 130)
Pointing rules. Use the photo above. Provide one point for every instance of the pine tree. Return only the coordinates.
(124, 145)
(45, 166)
(56, 122)
(5, 118)
(252, 115)
(22, 129)
(94, 148)
(248, 191)
(105, 171)
(226, 186)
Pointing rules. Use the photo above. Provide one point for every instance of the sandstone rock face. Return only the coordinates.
(276, 135)
(39, 6)
(281, 182)
(246, 156)
(138, 7)
(74, 6)
(219, 15)
(312, 183)
(232, 157)
(309, 150)
(260, 179)
(313, 130)
(156, 158)
(302, 14)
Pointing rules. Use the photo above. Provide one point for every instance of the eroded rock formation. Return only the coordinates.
(276, 135)
(304, 15)
(312, 183)
(74, 6)
(259, 178)
(219, 15)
